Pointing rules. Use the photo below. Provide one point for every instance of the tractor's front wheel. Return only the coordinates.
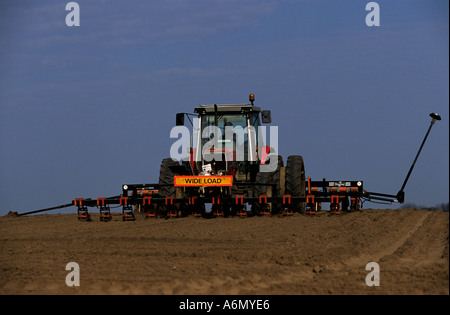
(262, 179)
(275, 179)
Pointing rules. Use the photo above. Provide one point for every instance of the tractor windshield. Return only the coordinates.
(232, 137)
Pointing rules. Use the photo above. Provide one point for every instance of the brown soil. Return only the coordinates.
(325, 254)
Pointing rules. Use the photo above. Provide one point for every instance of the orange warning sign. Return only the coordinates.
(206, 181)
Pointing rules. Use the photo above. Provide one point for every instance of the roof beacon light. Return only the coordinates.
(251, 98)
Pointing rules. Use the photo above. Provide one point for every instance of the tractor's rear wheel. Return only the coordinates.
(166, 176)
(295, 181)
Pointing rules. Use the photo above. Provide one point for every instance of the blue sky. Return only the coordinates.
(86, 109)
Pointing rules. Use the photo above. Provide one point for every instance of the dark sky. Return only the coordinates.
(85, 109)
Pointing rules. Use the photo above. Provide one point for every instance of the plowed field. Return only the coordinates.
(324, 254)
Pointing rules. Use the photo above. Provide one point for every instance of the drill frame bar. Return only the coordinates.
(317, 192)
(146, 194)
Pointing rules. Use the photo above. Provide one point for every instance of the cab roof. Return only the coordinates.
(231, 108)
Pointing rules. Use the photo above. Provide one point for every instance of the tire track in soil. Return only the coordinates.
(299, 279)
(416, 262)
(388, 250)
(427, 245)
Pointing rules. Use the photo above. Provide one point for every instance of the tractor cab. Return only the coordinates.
(226, 140)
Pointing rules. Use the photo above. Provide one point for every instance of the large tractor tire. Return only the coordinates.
(295, 181)
(166, 177)
(261, 178)
(275, 179)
